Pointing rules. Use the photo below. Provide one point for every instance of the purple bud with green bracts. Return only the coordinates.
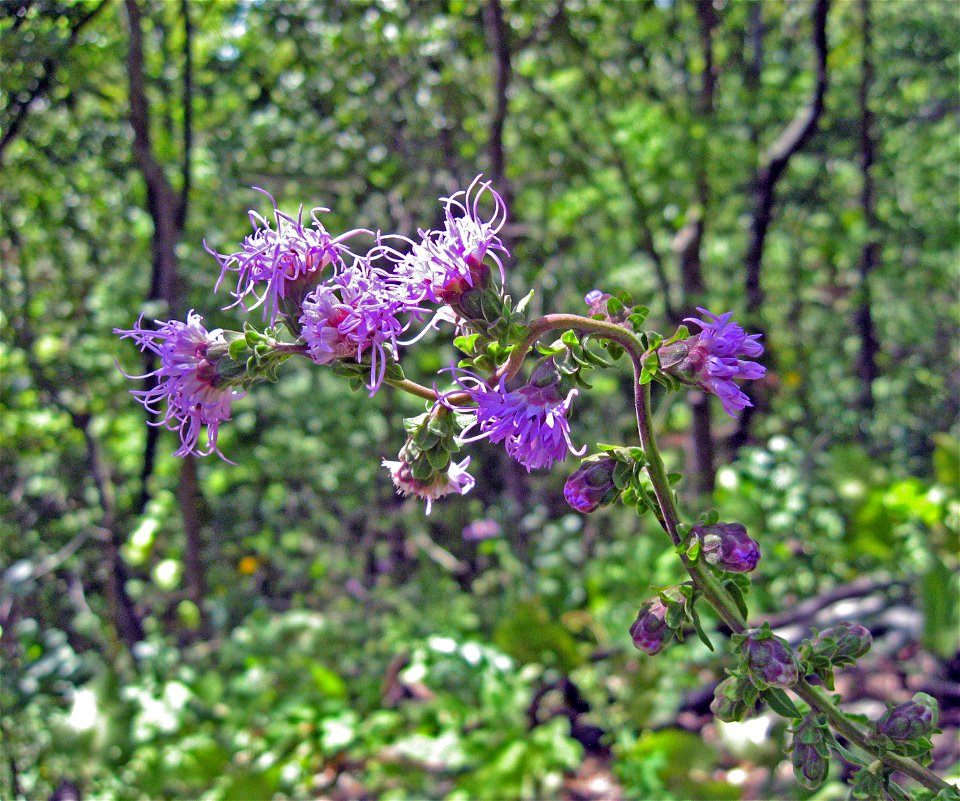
(769, 660)
(591, 486)
(650, 631)
(811, 754)
(728, 546)
(809, 766)
(714, 358)
(728, 702)
(844, 643)
(916, 718)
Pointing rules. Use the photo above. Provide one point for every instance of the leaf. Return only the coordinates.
(737, 596)
(695, 617)
(781, 703)
(522, 304)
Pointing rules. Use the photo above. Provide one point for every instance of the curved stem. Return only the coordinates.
(727, 609)
(552, 322)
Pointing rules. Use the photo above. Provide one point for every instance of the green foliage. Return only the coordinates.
(307, 631)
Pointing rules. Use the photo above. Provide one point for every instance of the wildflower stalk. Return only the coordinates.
(727, 609)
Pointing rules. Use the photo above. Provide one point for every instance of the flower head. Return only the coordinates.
(455, 479)
(188, 380)
(278, 255)
(354, 312)
(810, 752)
(843, 643)
(650, 631)
(448, 262)
(531, 421)
(712, 360)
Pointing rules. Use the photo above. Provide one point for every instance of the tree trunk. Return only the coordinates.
(870, 255)
(793, 138)
(169, 213)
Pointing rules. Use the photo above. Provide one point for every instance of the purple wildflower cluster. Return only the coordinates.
(341, 305)
(344, 307)
(717, 355)
(187, 380)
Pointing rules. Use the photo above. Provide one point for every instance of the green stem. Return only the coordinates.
(727, 609)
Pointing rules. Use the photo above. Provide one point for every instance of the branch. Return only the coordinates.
(503, 70)
(48, 69)
(787, 145)
(128, 624)
(187, 114)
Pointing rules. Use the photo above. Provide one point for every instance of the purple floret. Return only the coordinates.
(443, 262)
(277, 254)
(186, 381)
(717, 352)
(531, 421)
(354, 312)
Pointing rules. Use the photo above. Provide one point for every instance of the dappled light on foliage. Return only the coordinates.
(583, 374)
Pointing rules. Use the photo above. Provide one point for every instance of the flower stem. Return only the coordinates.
(726, 608)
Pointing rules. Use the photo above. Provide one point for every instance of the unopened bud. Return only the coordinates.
(769, 660)
(810, 752)
(916, 718)
(650, 631)
(809, 766)
(728, 546)
(728, 702)
(591, 486)
(844, 643)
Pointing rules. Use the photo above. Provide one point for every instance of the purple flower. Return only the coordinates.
(272, 259)
(714, 356)
(187, 380)
(446, 263)
(455, 479)
(531, 421)
(650, 631)
(728, 546)
(354, 312)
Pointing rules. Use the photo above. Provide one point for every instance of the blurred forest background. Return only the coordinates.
(288, 627)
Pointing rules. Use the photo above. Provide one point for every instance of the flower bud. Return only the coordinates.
(650, 631)
(457, 285)
(597, 300)
(810, 752)
(809, 766)
(728, 546)
(916, 718)
(844, 643)
(728, 702)
(591, 486)
(769, 660)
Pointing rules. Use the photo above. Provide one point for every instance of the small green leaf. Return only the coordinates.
(695, 617)
(781, 703)
(737, 596)
(615, 307)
